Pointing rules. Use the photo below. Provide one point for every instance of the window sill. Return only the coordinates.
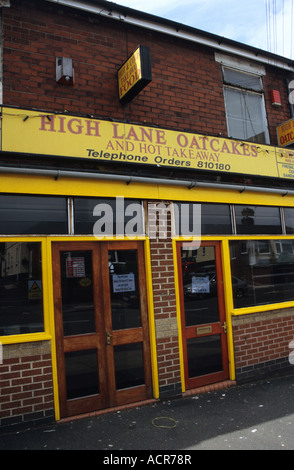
(262, 308)
(25, 338)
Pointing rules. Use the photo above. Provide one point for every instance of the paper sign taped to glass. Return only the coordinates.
(123, 282)
(200, 285)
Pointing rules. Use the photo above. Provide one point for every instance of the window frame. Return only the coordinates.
(23, 196)
(245, 69)
(259, 308)
(280, 216)
(100, 200)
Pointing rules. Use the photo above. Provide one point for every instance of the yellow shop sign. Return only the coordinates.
(62, 135)
(285, 133)
(134, 74)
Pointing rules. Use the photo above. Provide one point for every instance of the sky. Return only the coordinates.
(265, 24)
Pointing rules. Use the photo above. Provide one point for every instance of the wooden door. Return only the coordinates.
(204, 328)
(101, 325)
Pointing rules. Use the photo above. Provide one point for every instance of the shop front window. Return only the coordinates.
(29, 214)
(262, 272)
(289, 219)
(215, 219)
(108, 217)
(21, 288)
(258, 219)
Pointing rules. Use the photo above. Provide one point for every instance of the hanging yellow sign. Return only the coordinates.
(285, 133)
(134, 74)
(42, 134)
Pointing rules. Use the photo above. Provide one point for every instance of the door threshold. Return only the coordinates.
(210, 388)
(114, 409)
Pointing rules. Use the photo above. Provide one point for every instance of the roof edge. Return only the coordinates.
(165, 26)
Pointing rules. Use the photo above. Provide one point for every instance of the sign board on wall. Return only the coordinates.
(134, 74)
(285, 133)
(44, 134)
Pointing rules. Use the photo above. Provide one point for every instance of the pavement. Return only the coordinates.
(256, 416)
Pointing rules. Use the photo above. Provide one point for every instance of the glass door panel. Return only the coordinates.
(81, 370)
(124, 289)
(129, 365)
(77, 292)
(204, 355)
(200, 285)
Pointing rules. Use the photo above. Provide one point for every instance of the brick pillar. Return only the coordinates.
(26, 385)
(165, 313)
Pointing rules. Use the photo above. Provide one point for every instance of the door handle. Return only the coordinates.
(225, 327)
(108, 338)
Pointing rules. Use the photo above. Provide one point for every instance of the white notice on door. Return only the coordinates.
(123, 282)
(200, 284)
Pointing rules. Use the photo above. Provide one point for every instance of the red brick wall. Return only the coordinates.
(186, 91)
(261, 343)
(276, 114)
(164, 299)
(26, 385)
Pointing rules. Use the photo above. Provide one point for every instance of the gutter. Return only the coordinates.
(180, 31)
(57, 174)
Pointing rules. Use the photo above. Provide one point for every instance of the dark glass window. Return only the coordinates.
(21, 288)
(200, 285)
(108, 216)
(262, 271)
(204, 355)
(215, 219)
(124, 289)
(258, 219)
(81, 371)
(129, 365)
(77, 292)
(289, 219)
(22, 214)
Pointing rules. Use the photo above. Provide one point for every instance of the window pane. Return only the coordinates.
(129, 365)
(21, 289)
(258, 219)
(215, 219)
(21, 214)
(77, 292)
(200, 285)
(204, 355)
(262, 271)
(245, 115)
(289, 219)
(246, 80)
(81, 372)
(124, 289)
(112, 216)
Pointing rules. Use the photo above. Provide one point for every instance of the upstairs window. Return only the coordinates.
(245, 109)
